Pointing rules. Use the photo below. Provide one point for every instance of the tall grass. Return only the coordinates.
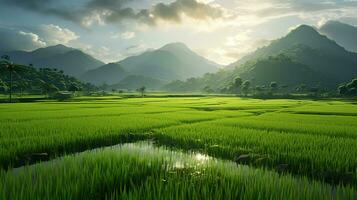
(137, 172)
(320, 145)
(318, 156)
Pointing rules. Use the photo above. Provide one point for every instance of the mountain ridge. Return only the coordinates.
(344, 34)
(303, 56)
(174, 61)
(71, 61)
(303, 34)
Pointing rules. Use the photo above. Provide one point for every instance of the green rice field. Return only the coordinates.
(178, 148)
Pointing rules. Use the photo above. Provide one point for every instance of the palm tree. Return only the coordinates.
(9, 66)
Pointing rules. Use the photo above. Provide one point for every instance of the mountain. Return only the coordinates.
(284, 70)
(70, 60)
(302, 56)
(196, 64)
(111, 73)
(306, 46)
(156, 64)
(343, 34)
(134, 82)
(260, 72)
(302, 35)
(338, 67)
(171, 62)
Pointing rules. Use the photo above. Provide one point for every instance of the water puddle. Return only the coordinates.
(176, 159)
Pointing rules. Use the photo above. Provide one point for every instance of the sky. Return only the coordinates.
(111, 30)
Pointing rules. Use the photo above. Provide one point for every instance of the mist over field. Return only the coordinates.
(178, 99)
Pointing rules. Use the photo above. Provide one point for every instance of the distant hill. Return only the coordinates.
(171, 62)
(71, 61)
(303, 56)
(343, 34)
(134, 82)
(282, 69)
(339, 67)
(195, 64)
(261, 72)
(156, 64)
(111, 73)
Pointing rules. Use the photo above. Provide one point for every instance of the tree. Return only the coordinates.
(302, 88)
(49, 89)
(237, 83)
(352, 92)
(208, 89)
(30, 79)
(74, 88)
(88, 88)
(274, 86)
(142, 90)
(246, 87)
(352, 84)
(233, 87)
(3, 86)
(10, 67)
(21, 86)
(104, 86)
(258, 89)
(349, 89)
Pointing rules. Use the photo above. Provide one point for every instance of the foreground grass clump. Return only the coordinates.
(137, 171)
(18, 139)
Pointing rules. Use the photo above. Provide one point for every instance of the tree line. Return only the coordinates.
(247, 88)
(21, 79)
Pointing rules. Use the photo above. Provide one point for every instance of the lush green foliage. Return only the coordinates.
(349, 89)
(27, 79)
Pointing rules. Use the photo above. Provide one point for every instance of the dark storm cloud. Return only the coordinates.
(107, 4)
(46, 7)
(36, 5)
(13, 39)
(115, 11)
(191, 8)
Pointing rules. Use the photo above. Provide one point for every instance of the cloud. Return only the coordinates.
(116, 11)
(136, 49)
(279, 8)
(103, 53)
(45, 35)
(54, 34)
(241, 44)
(174, 11)
(12, 39)
(234, 47)
(125, 36)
